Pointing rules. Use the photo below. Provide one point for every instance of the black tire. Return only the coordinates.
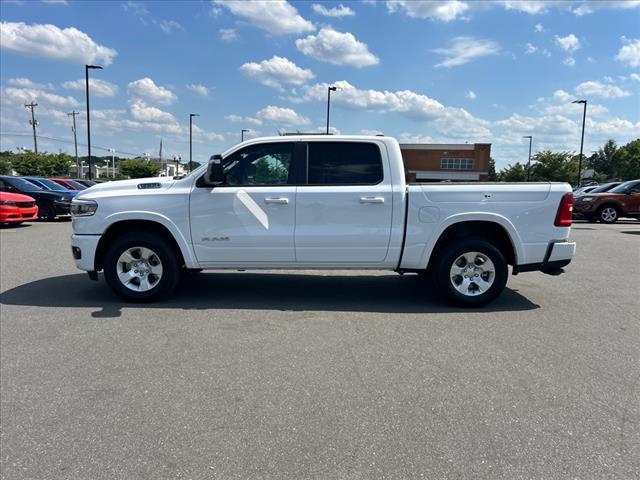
(446, 261)
(164, 251)
(46, 212)
(605, 214)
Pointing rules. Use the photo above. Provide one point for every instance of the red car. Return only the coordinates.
(17, 208)
(69, 184)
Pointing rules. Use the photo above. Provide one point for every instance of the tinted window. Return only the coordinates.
(23, 185)
(264, 164)
(623, 188)
(344, 163)
(51, 184)
(604, 188)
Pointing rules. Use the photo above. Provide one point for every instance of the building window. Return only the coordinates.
(456, 164)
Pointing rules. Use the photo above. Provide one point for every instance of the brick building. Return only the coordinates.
(438, 162)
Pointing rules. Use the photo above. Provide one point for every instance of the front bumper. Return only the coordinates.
(557, 256)
(17, 214)
(62, 208)
(587, 208)
(83, 249)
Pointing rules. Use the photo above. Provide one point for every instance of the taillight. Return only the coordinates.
(565, 211)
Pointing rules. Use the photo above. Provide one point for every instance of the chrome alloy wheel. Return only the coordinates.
(609, 214)
(139, 269)
(472, 273)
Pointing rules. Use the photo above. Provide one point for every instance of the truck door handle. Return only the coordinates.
(277, 200)
(371, 199)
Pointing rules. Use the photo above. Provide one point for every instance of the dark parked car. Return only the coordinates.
(50, 203)
(621, 201)
(85, 182)
(50, 185)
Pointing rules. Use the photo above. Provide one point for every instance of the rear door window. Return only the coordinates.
(344, 163)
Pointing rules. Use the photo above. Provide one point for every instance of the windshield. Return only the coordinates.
(622, 188)
(604, 188)
(51, 184)
(23, 185)
(78, 185)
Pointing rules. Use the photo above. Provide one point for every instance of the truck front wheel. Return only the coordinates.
(141, 267)
(471, 272)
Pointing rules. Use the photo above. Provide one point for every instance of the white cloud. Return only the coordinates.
(144, 113)
(569, 43)
(56, 2)
(277, 17)
(597, 89)
(635, 76)
(199, 133)
(445, 10)
(24, 95)
(282, 116)
(238, 118)
(147, 89)
(562, 95)
(199, 89)
(629, 54)
(169, 26)
(532, 7)
(26, 83)
(49, 41)
(471, 95)
(228, 34)
(465, 49)
(100, 88)
(569, 61)
(531, 48)
(339, 11)
(277, 71)
(538, 28)
(338, 48)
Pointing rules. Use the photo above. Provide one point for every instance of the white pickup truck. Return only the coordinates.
(319, 202)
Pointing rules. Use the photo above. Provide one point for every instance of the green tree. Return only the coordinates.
(550, 166)
(627, 161)
(493, 176)
(41, 164)
(513, 173)
(138, 168)
(603, 161)
(5, 166)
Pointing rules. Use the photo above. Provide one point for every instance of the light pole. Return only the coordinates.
(75, 142)
(329, 90)
(584, 117)
(113, 163)
(529, 161)
(242, 134)
(191, 115)
(86, 76)
(34, 123)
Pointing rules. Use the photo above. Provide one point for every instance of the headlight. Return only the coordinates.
(8, 203)
(586, 199)
(83, 208)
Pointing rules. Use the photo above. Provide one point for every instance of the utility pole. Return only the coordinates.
(529, 161)
(86, 76)
(329, 90)
(584, 116)
(34, 123)
(191, 115)
(113, 163)
(75, 142)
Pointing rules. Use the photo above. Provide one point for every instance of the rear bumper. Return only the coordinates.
(557, 256)
(83, 249)
(17, 214)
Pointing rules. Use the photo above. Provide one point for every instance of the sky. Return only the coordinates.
(432, 72)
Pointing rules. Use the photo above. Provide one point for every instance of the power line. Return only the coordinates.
(62, 140)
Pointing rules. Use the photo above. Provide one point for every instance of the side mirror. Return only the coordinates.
(215, 174)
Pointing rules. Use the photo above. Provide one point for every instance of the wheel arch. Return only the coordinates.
(171, 235)
(496, 229)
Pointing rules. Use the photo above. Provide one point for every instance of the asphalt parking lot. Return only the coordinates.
(320, 375)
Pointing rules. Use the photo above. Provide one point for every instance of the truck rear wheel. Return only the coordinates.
(141, 267)
(471, 272)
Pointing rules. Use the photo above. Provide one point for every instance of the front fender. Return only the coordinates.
(183, 243)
